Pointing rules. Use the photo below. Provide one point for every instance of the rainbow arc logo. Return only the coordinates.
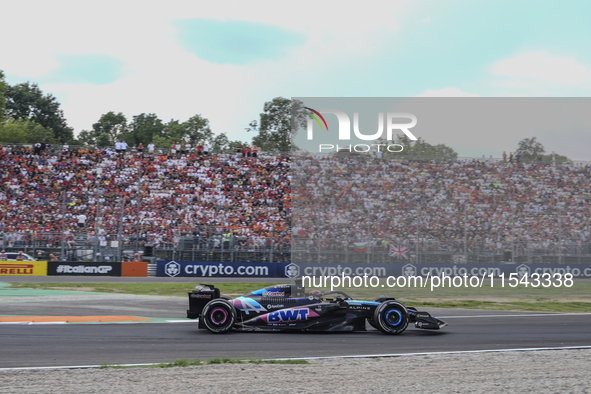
(316, 119)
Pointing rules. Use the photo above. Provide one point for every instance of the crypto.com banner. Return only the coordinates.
(203, 269)
(489, 180)
(451, 270)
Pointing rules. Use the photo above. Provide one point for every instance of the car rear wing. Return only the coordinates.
(199, 298)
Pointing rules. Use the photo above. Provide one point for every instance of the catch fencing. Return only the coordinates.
(81, 246)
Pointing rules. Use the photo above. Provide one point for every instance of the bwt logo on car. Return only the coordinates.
(289, 315)
(345, 130)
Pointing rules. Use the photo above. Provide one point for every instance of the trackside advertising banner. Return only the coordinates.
(220, 270)
(23, 268)
(292, 270)
(70, 268)
(385, 270)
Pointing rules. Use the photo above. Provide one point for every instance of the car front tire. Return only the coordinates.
(391, 317)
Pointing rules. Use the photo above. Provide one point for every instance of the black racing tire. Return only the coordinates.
(219, 316)
(391, 317)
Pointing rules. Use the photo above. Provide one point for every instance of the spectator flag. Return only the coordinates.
(360, 246)
(399, 252)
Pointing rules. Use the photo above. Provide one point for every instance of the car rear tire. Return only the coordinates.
(391, 317)
(219, 316)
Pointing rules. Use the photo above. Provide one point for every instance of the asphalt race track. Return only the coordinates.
(95, 344)
(48, 345)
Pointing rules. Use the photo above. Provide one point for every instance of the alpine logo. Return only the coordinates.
(247, 305)
(289, 315)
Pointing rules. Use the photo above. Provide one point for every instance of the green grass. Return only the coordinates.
(551, 299)
(186, 363)
(252, 361)
(570, 307)
(160, 289)
(579, 290)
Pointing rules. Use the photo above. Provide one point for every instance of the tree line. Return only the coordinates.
(28, 115)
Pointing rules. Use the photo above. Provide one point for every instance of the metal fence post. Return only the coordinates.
(120, 232)
(63, 249)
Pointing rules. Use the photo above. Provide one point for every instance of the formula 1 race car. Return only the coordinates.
(288, 307)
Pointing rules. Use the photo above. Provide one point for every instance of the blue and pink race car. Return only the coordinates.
(287, 307)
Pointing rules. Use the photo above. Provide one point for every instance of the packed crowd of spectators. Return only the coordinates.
(469, 205)
(100, 194)
(180, 194)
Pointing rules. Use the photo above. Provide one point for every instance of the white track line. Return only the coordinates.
(31, 323)
(78, 367)
(437, 353)
(327, 357)
(180, 321)
(191, 321)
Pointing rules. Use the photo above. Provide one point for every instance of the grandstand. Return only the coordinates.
(100, 205)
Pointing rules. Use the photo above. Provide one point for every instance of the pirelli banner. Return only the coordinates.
(23, 268)
(71, 268)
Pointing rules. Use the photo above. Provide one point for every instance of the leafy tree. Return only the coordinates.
(27, 101)
(87, 138)
(278, 124)
(233, 145)
(2, 97)
(14, 131)
(198, 130)
(555, 157)
(162, 142)
(112, 124)
(419, 149)
(530, 149)
(143, 128)
(25, 131)
(174, 131)
(104, 140)
(38, 133)
(220, 142)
